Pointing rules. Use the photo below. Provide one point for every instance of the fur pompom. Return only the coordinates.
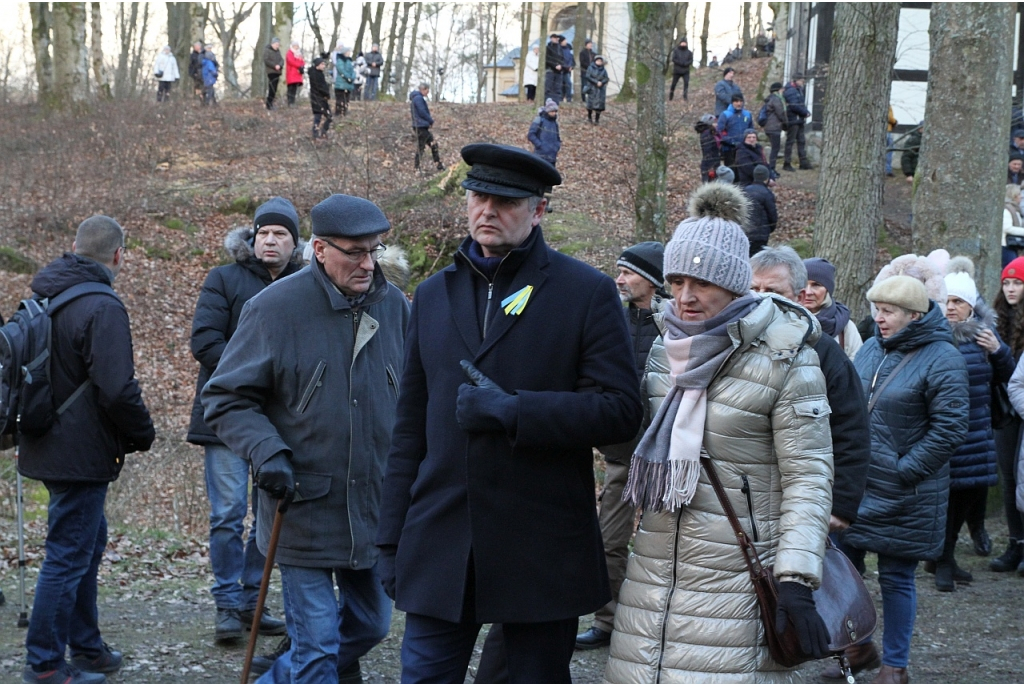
(395, 266)
(960, 265)
(920, 268)
(720, 200)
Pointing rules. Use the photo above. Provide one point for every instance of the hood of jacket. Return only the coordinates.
(414, 93)
(966, 331)
(932, 327)
(783, 325)
(238, 243)
(68, 270)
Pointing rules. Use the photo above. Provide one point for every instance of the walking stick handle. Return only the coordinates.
(268, 567)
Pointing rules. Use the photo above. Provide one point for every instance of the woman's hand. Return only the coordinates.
(988, 341)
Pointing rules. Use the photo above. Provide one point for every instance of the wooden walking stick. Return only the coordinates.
(254, 629)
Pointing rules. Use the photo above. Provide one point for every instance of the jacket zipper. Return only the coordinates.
(490, 289)
(750, 507)
(392, 379)
(671, 592)
(314, 383)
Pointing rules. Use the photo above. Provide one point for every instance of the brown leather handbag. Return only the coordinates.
(842, 601)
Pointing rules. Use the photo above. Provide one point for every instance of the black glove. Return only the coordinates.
(386, 568)
(796, 604)
(277, 478)
(482, 405)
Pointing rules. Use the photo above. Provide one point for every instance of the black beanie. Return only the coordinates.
(645, 259)
(277, 211)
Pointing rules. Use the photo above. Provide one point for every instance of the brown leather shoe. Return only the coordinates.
(891, 674)
(861, 657)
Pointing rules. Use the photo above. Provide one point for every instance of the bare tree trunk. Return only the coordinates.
(126, 28)
(313, 19)
(228, 34)
(138, 47)
(101, 85)
(600, 23)
(284, 20)
(777, 64)
(481, 40)
(336, 8)
(378, 20)
(179, 33)
(400, 66)
(849, 208)
(42, 21)
(651, 20)
(412, 47)
(525, 18)
(581, 37)
(494, 54)
(681, 9)
(70, 52)
(627, 92)
(747, 42)
(259, 70)
(364, 19)
(705, 29)
(959, 198)
(542, 65)
(385, 85)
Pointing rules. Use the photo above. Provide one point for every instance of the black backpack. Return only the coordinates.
(762, 116)
(26, 398)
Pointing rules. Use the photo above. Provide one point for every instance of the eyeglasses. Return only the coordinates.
(358, 255)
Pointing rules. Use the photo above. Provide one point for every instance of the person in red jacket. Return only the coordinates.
(294, 64)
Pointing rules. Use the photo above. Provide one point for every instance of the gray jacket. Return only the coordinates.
(306, 375)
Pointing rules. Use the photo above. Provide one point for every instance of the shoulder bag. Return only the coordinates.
(842, 601)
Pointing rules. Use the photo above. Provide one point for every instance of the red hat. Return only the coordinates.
(1014, 269)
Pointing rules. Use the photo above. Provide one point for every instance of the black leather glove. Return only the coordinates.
(796, 604)
(386, 569)
(278, 479)
(482, 405)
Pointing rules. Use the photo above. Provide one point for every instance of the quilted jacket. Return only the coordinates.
(918, 422)
(687, 610)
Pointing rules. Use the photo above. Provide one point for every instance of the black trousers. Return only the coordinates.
(795, 134)
(341, 101)
(293, 90)
(961, 503)
(531, 93)
(163, 90)
(1007, 444)
(553, 85)
(675, 80)
(776, 139)
(424, 138)
(272, 80)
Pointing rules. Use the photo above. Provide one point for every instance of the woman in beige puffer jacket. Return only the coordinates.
(687, 610)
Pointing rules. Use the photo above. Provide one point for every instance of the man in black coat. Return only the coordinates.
(682, 60)
(763, 214)
(780, 270)
(195, 68)
(553, 58)
(488, 512)
(798, 114)
(264, 252)
(102, 418)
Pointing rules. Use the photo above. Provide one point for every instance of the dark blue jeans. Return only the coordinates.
(899, 603)
(64, 611)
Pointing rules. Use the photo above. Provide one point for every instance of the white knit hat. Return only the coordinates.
(961, 285)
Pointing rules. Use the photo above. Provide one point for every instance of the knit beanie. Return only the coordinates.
(774, 87)
(761, 173)
(645, 259)
(550, 106)
(724, 173)
(1014, 269)
(961, 285)
(711, 245)
(902, 291)
(821, 271)
(277, 211)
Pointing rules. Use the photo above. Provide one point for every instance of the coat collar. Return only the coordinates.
(378, 288)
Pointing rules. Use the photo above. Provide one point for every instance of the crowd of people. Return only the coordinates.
(424, 457)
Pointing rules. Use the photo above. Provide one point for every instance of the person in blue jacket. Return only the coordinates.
(733, 123)
(421, 123)
(797, 113)
(210, 71)
(544, 133)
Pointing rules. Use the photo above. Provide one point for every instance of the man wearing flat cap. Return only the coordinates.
(517, 362)
(306, 391)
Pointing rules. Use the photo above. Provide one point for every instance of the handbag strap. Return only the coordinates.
(746, 546)
(888, 379)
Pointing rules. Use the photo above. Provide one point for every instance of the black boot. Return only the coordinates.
(228, 627)
(944, 577)
(982, 542)
(1010, 559)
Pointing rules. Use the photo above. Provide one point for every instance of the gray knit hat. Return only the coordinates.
(725, 174)
(711, 244)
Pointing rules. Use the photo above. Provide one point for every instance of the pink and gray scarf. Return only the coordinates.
(665, 468)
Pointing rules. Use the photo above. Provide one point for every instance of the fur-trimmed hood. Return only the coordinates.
(966, 331)
(239, 245)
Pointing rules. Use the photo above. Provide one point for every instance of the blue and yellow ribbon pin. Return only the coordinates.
(515, 303)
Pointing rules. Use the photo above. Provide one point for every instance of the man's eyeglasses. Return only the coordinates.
(358, 255)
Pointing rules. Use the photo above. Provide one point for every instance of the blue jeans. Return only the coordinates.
(328, 629)
(237, 566)
(64, 611)
(899, 603)
(370, 89)
(888, 154)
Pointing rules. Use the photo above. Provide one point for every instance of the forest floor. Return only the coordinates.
(178, 177)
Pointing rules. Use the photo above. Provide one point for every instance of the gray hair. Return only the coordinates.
(771, 257)
(423, 85)
(98, 238)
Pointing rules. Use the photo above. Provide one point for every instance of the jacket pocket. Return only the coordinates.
(314, 383)
(814, 409)
(750, 508)
(392, 380)
(307, 526)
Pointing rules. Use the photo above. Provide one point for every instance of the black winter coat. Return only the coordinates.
(586, 58)
(917, 424)
(974, 464)
(851, 438)
(777, 117)
(763, 214)
(521, 506)
(195, 66)
(710, 148)
(225, 290)
(91, 340)
(795, 106)
(319, 91)
(747, 157)
(553, 56)
(911, 146)
(682, 60)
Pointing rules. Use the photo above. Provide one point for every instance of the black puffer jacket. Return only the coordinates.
(917, 424)
(220, 302)
(763, 213)
(974, 464)
(92, 340)
(747, 157)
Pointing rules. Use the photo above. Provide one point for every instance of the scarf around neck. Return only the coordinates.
(665, 468)
(833, 317)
